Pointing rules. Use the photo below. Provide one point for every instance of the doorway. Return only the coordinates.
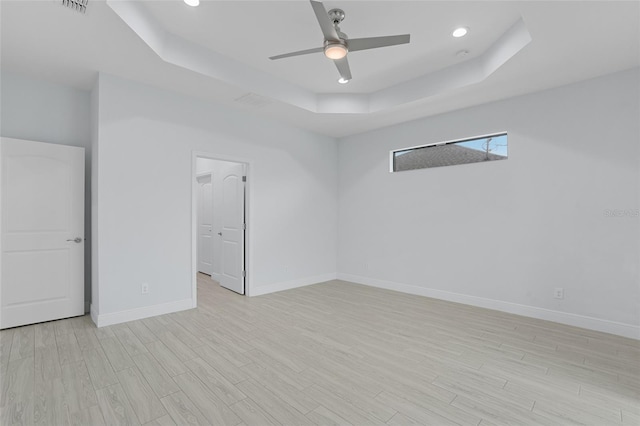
(220, 222)
(205, 223)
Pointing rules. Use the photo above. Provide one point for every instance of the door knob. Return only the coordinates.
(77, 240)
(220, 233)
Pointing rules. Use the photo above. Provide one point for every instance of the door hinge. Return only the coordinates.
(244, 178)
(244, 226)
(244, 273)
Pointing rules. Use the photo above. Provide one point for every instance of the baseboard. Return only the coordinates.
(591, 323)
(94, 315)
(287, 285)
(140, 313)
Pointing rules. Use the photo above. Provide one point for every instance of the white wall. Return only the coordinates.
(204, 165)
(505, 234)
(45, 112)
(146, 140)
(500, 235)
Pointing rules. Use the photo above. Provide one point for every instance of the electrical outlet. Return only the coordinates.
(558, 293)
(144, 288)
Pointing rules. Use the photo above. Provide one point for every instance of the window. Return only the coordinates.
(463, 151)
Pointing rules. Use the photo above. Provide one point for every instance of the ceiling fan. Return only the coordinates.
(337, 44)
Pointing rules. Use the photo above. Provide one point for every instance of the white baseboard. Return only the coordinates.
(140, 313)
(94, 314)
(287, 285)
(591, 323)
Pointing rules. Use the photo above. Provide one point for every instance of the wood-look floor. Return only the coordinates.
(333, 353)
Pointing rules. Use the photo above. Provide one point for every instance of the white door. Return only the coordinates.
(205, 224)
(42, 232)
(232, 225)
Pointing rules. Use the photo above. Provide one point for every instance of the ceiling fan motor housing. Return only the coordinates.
(341, 42)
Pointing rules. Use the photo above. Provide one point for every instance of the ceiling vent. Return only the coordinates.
(253, 100)
(77, 5)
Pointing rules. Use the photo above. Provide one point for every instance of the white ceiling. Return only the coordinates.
(263, 29)
(571, 41)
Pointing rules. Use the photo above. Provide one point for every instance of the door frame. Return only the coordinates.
(248, 247)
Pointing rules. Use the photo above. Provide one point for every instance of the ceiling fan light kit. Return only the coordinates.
(336, 43)
(335, 50)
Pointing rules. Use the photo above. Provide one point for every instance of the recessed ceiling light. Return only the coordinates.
(458, 32)
(343, 80)
(193, 3)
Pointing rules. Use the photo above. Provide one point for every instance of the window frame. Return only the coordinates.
(442, 143)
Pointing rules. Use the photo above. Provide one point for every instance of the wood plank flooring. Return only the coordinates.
(330, 354)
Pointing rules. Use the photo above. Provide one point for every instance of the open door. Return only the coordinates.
(232, 226)
(205, 224)
(42, 196)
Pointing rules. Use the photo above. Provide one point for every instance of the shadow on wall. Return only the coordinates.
(46, 112)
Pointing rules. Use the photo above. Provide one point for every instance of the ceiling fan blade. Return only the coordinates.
(326, 25)
(343, 68)
(356, 44)
(298, 53)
